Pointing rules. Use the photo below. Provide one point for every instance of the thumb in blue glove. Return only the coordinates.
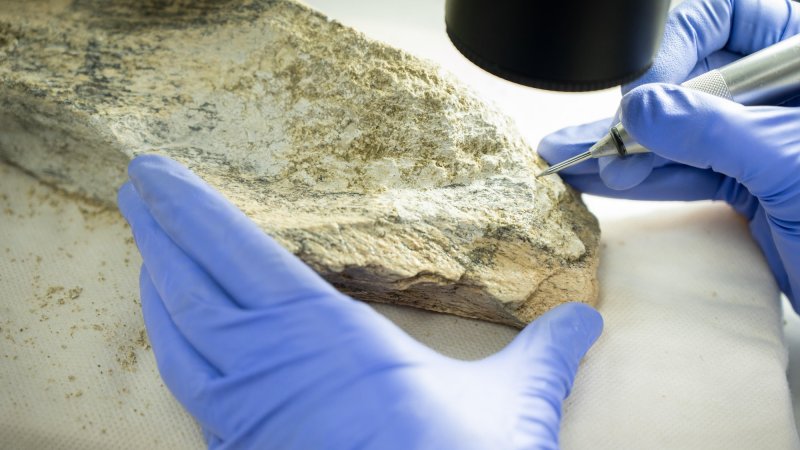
(750, 155)
(266, 354)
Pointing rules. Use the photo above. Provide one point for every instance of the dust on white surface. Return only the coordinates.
(76, 368)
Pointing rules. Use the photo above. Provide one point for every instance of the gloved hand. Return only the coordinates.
(705, 147)
(266, 354)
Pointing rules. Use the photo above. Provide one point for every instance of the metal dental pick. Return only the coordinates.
(604, 147)
(564, 164)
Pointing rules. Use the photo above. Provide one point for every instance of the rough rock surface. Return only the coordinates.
(379, 170)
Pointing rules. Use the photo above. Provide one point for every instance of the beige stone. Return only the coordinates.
(378, 169)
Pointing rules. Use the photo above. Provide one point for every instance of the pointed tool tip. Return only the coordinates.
(564, 164)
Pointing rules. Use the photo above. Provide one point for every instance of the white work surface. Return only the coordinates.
(692, 355)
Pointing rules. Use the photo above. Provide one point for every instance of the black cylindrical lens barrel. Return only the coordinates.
(564, 45)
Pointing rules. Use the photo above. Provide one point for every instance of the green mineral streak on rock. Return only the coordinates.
(377, 168)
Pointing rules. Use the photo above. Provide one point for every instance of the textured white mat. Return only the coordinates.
(76, 370)
(691, 357)
(692, 354)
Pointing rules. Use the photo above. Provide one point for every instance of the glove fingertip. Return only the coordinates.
(146, 162)
(128, 201)
(658, 115)
(158, 178)
(592, 322)
(622, 174)
(568, 329)
(554, 146)
(125, 192)
(636, 105)
(570, 141)
(586, 325)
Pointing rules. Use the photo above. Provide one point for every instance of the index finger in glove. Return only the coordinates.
(247, 263)
(754, 145)
(697, 29)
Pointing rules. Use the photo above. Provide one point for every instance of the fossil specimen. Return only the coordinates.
(379, 170)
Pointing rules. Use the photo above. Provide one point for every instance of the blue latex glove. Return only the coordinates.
(266, 354)
(705, 147)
